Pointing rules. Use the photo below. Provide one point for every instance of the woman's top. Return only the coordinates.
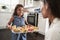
(53, 32)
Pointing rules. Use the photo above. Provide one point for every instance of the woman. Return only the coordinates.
(51, 10)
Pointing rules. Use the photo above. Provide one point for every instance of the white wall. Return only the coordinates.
(21, 2)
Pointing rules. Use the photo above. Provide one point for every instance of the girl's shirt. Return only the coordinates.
(18, 21)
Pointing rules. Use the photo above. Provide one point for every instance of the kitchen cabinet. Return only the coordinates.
(28, 3)
(4, 18)
(42, 23)
(9, 4)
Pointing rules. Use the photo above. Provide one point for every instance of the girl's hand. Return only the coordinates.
(9, 27)
(29, 25)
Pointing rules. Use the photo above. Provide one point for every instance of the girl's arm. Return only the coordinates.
(10, 21)
(29, 25)
(26, 22)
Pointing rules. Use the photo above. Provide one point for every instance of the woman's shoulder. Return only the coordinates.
(56, 22)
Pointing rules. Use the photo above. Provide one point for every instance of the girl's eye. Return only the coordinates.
(19, 9)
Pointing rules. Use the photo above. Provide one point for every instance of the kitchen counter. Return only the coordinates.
(35, 36)
(5, 34)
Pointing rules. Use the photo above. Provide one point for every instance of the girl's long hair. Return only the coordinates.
(15, 11)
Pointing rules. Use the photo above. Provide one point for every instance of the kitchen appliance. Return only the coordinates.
(32, 19)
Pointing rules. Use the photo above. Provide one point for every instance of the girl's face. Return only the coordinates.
(45, 11)
(20, 11)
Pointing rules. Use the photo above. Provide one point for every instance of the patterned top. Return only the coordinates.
(18, 21)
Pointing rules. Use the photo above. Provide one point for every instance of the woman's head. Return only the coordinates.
(18, 10)
(51, 7)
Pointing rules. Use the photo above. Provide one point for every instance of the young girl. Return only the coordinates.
(18, 20)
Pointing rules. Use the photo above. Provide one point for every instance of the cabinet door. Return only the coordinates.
(41, 24)
(28, 3)
(9, 4)
(4, 18)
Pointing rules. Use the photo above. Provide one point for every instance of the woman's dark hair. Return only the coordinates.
(17, 6)
(54, 6)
